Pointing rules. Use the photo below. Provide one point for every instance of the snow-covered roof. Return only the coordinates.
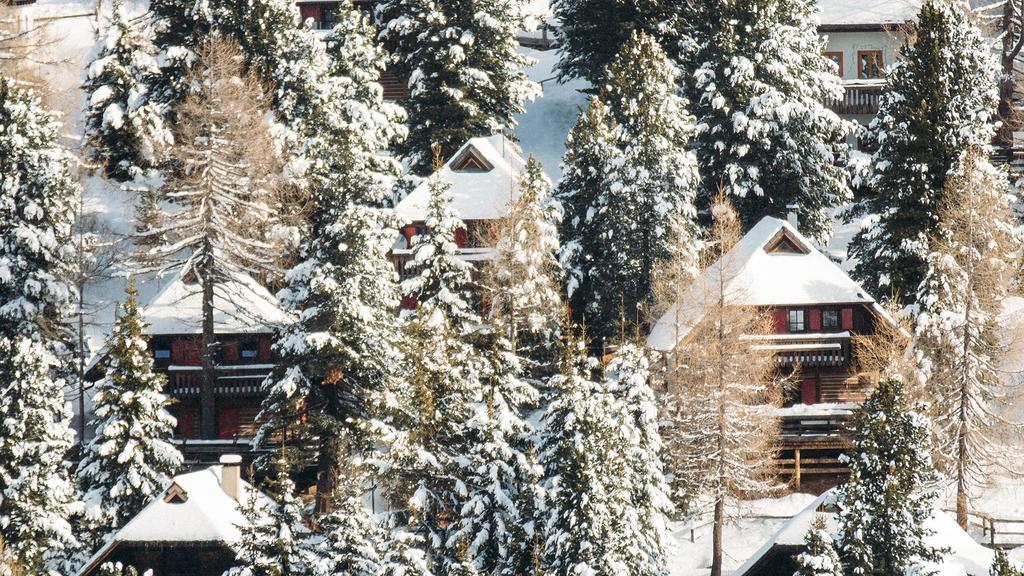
(758, 277)
(241, 306)
(966, 556)
(477, 194)
(867, 12)
(206, 515)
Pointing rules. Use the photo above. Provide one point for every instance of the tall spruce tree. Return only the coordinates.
(353, 540)
(891, 492)
(465, 70)
(37, 197)
(592, 32)
(341, 352)
(125, 131)
(629, 182)
(940, 100)
(957, 338)
(130, 459)
(758, 85)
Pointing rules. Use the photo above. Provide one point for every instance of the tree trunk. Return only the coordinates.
(1011, 47)
(716, 537)
(328, 472)
(207, 406)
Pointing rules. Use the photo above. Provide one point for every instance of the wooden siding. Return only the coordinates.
(843, 385)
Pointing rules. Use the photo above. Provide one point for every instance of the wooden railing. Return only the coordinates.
(240, 380)
(1002, 532)
(858, 99)
(816, 427)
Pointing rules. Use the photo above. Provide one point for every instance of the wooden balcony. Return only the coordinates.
(234, 380)
(859, 98)
(817, 350)
(832, 429)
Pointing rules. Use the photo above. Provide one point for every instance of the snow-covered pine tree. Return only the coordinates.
(119, 569)
(939, 100)
(130, 458)
(466, 73)
(352, 540)
(578, 448)
(37, 198)
(819, 557)
(957, 340)
(891, 491)
(345, 290)
(758, 85)
(274, 541)
(645, 517)
(1001, 565)
(124, 131)
(524, 279)
(226, 165)
(638, 189)
(591, 32)
(496, 528)
(716, 416)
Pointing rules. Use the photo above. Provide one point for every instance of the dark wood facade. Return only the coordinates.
(172, 558)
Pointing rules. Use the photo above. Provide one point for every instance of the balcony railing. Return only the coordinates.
(241, 380)
(808, 350)
(859, 98)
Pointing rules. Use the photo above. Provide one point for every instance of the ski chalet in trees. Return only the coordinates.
(190, 529)
(817, 311)
(484, 175)
(245, 316)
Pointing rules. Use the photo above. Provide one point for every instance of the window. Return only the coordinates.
(249, 350)
(869, 64)
(830, 319)
(329, 17)
(836, 57)
(797, 321)
(162, 354)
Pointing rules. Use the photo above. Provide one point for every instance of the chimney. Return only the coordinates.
(231, 475)
(792, 217)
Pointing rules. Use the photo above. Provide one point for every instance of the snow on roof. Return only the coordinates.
(757, 277)
(241, 306)
(476, 194)
(966, 556)
(867, 12)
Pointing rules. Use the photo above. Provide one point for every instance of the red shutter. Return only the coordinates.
(780, 319)
(307, 11)
(187, 351)
(187, 420)
(847, 318)
(231, 351)
(815, 315)
(462, 237)
(408, 302)
(265, 354)
(227, 423)
(809, 391)
(409, 232)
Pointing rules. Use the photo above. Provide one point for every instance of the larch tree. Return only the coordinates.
(124, 131)
(523, 281)
(341, 351)
(939, 100)
(957, 339)
(37, 197)
(819, 557)
(591, 32)
(466, 73)
(635, 181)
(891, 492)
(759, 87)
(716, 413)
(130, 458)
(221, 193)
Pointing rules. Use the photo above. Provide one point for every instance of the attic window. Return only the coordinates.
(785, 243)
(176, 495)
(471, 160)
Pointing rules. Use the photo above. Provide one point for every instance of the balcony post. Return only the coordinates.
(796, 471)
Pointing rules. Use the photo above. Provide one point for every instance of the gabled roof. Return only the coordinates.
(763, 272)
(241, 306)
(478, 193)
(205, 515)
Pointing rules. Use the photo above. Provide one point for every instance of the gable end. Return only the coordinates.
(471, 160)
(785, 242)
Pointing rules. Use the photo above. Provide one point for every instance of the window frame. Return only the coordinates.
(790, 323)
(830, 54)
(860, 68)
(838, 322)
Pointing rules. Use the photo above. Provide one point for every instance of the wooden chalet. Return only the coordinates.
(817, 311)
(484, 175)
(245, 316)
(190, 529)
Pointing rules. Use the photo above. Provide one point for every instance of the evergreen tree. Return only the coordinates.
(758, 85)
(37, 194)
(523, 280)
(496, 529)
(353, 541)
(465, 70)
(1001, 565)
(341, 351)
(624, 197)
(819, 557)
(591, 32)
(957, 339)
(273, 542)
(125, 130)
(939, 100)
(891, 491)
(130, 459)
